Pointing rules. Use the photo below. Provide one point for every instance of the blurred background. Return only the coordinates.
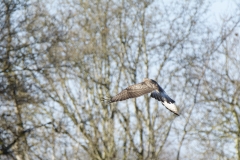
(58, 59)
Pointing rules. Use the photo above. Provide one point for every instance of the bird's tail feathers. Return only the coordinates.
(171, 107)
(106, 99)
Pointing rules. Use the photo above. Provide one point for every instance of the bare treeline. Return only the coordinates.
(58, 59)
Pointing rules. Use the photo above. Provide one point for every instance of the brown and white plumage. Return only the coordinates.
(147, 86)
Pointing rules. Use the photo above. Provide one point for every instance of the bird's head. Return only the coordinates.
(145, 79)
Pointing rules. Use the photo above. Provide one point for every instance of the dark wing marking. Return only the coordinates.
(166, 101)
(162, 96)
(157, 96)
(132, 92)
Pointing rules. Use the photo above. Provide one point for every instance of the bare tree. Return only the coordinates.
(22, 41)
(213, 114)
(107, 52)
(58, 64)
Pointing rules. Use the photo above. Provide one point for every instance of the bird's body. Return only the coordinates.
(147, 86)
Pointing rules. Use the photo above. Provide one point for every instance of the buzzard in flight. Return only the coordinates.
(147, 86)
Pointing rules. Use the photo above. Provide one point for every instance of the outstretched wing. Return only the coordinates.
(166, 100)
(132, 92)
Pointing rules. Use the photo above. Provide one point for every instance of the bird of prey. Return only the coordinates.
(147, 86)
